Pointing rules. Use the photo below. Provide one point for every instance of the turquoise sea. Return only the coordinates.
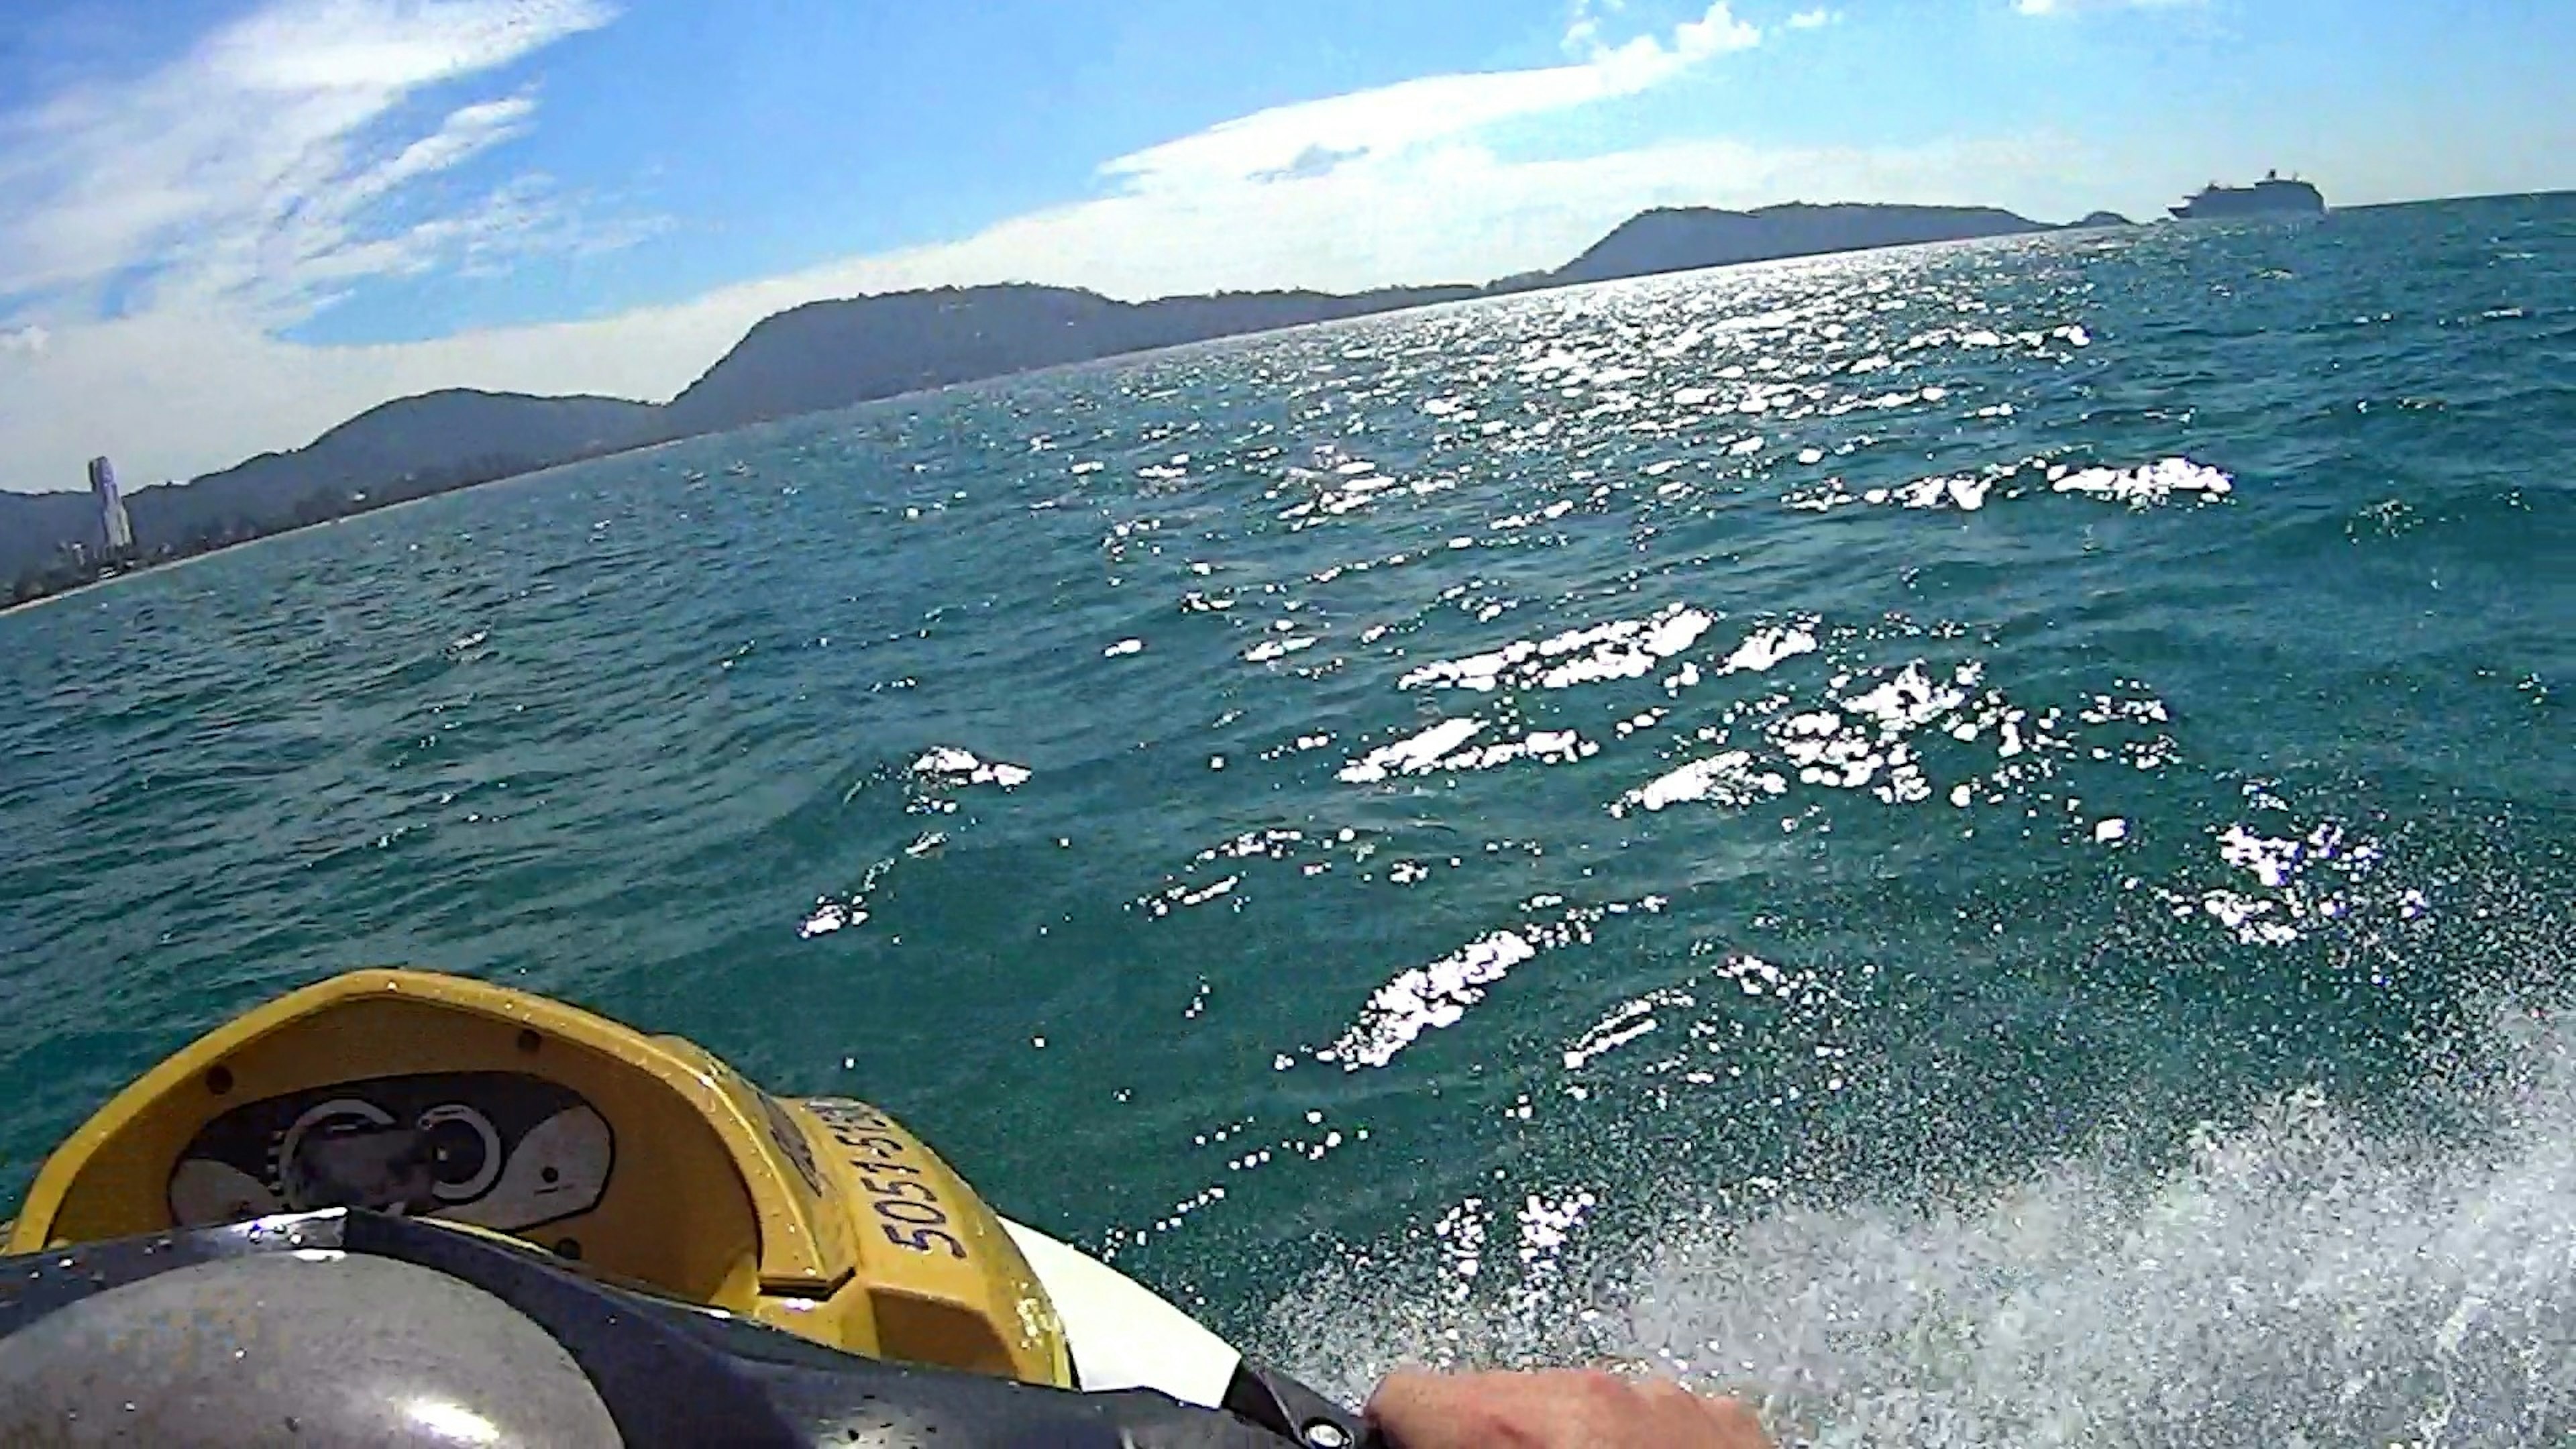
(1972, 841)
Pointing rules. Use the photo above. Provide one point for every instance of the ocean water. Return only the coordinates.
(1971, 842)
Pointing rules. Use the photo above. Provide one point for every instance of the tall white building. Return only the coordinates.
(113, 525)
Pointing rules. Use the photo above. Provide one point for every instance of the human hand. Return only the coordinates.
(1556, 1409)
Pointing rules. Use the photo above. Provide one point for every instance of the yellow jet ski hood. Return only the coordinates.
(613, 1188)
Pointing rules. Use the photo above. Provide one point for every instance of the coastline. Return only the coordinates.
(76, 590)
(9, 609)
(768, 374)
(177, 561)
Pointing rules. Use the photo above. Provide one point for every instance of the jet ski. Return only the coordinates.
(405, 1207)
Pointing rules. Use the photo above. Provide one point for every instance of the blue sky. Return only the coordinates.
(227, 224)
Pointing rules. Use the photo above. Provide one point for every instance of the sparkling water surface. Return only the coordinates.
(1970, 841)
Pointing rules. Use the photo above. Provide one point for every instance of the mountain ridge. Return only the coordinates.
(834, 353)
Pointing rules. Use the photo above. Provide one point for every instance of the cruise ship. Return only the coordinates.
(2274, 195)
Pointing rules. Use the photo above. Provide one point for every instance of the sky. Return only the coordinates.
(227, 225)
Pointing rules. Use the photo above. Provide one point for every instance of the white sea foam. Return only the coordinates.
(2293, 1277)
(950, 765)
(1619, 649)
(2144, 487)
(1437, 995)
(1427, 998)
(1724, 779)
(1412, 755)
(1766, 647)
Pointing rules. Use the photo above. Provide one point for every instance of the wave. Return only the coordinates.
(2299, 1276)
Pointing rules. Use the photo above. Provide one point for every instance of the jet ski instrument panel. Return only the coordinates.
(642, 1157)
(499, 1150)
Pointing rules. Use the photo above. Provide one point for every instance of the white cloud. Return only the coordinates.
(251, 172)
(1583, 25)
(1815, 19)
(1413, 113)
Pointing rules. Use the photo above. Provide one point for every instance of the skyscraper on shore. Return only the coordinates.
(116, 531)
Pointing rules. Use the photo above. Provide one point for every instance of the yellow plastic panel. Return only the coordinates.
(945, 1282)
(678, 1213)
(823, 1217)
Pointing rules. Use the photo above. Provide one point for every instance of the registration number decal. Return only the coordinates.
(907, 1208)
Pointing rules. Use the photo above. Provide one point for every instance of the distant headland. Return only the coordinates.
(825, 355)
